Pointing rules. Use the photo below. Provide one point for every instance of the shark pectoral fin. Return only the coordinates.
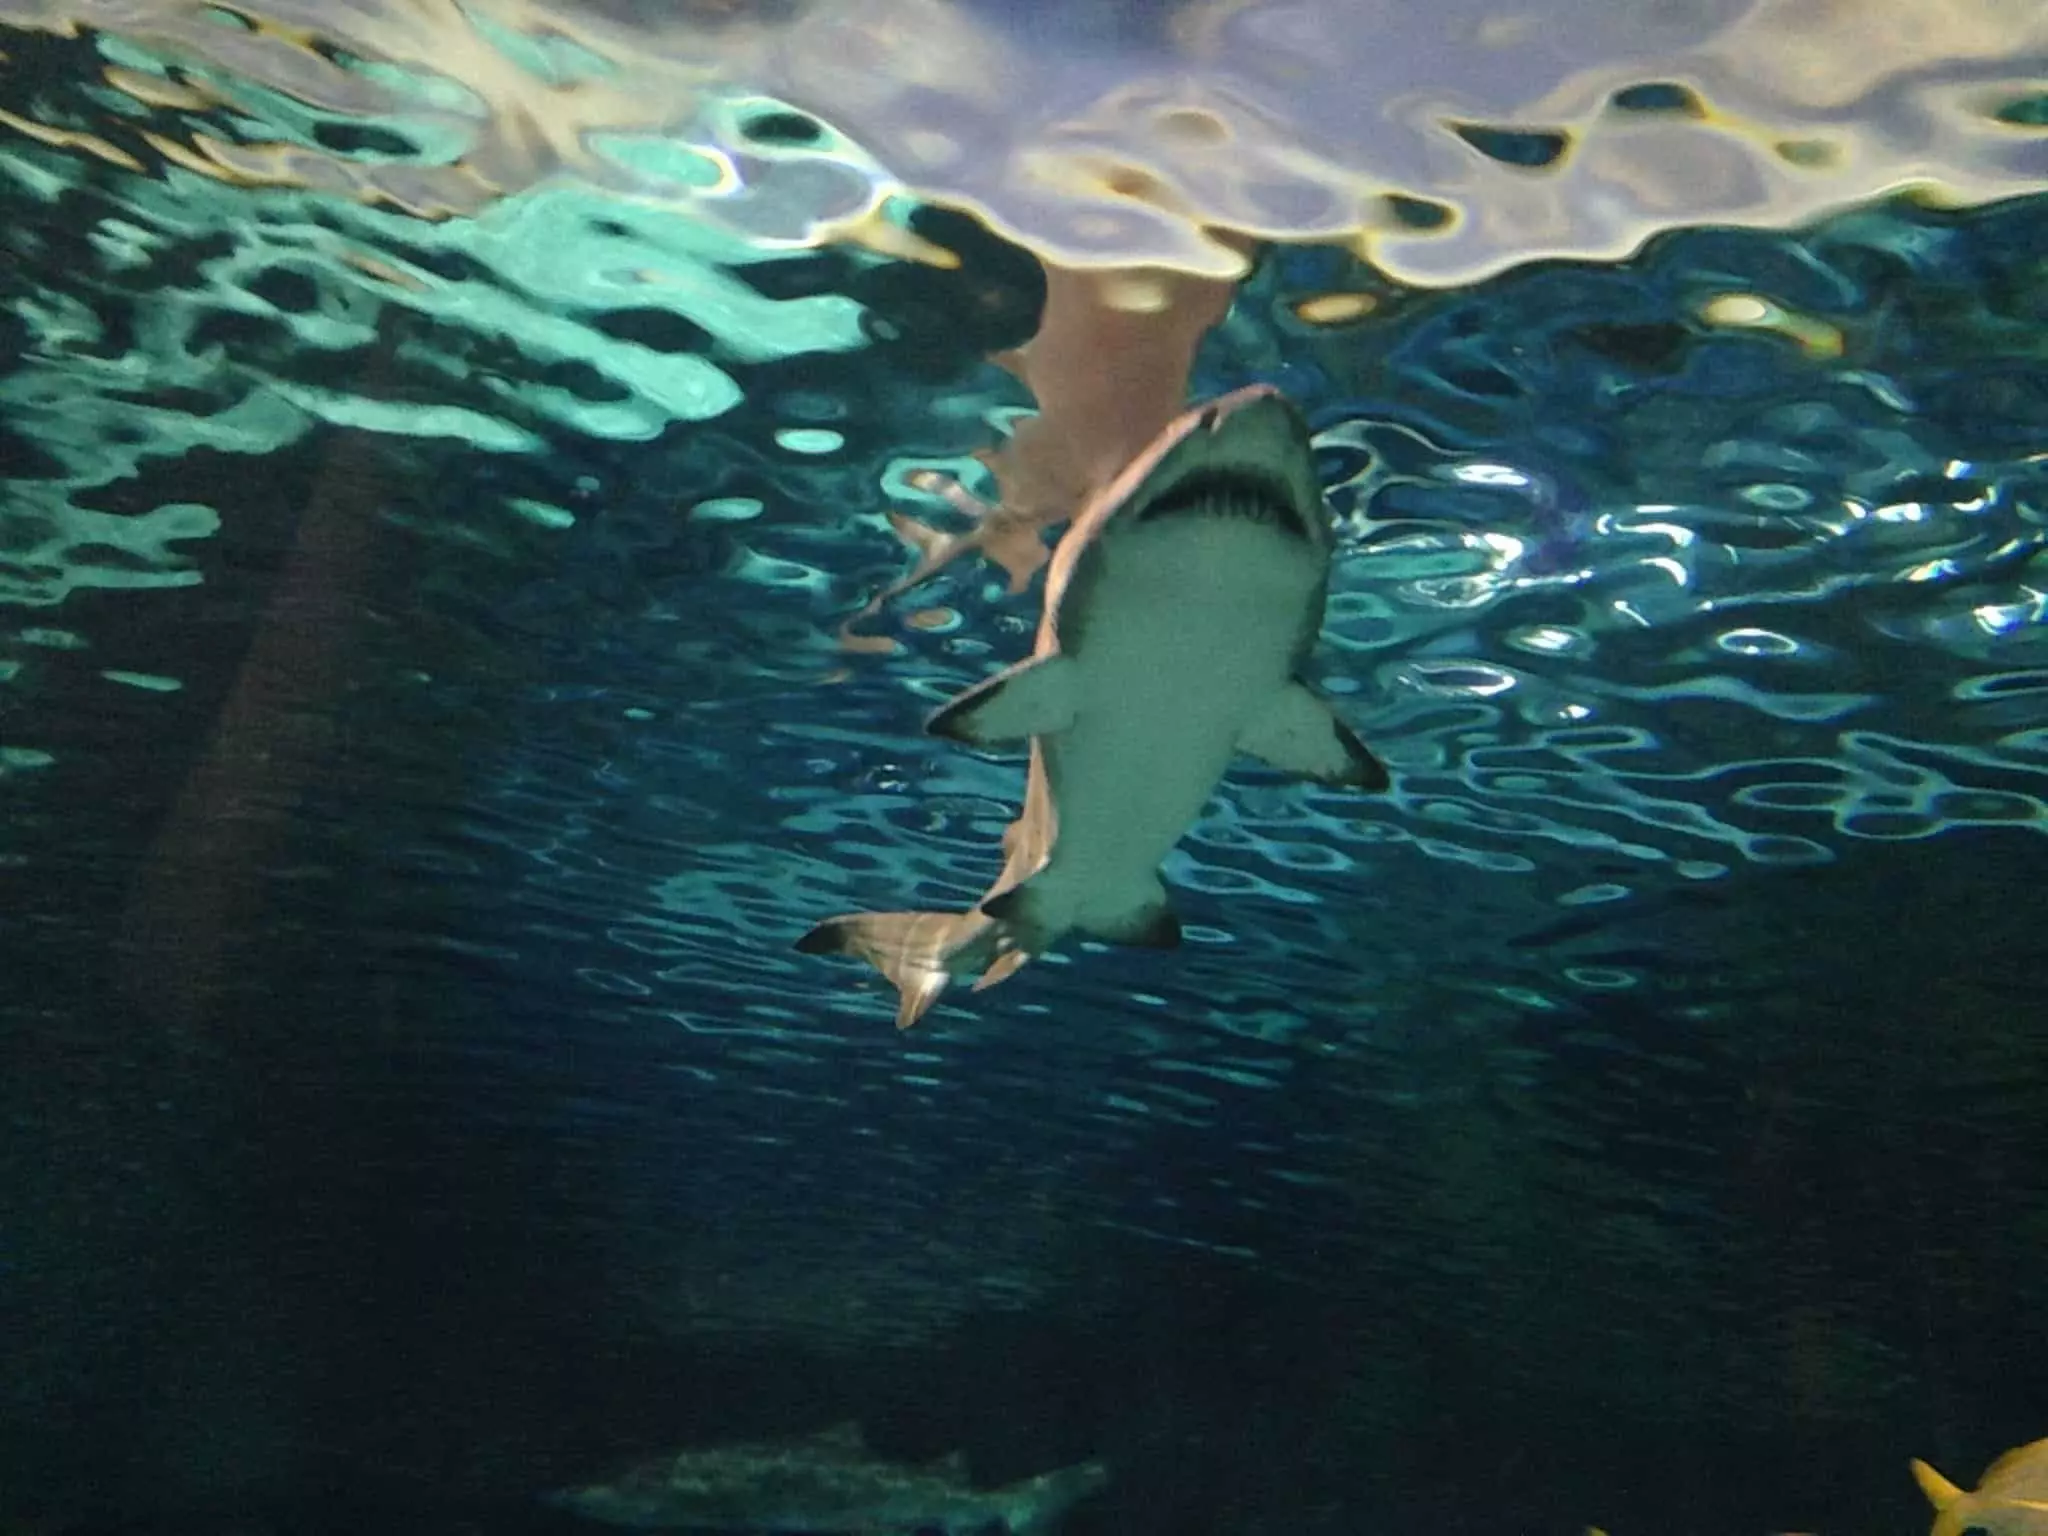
(1033, 698)
(1298, 732)
(1939, 1490)
(915, 950)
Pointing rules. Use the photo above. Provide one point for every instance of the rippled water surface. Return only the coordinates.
(424, 734)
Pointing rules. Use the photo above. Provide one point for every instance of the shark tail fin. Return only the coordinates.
(1036, 1506)
(920, 952)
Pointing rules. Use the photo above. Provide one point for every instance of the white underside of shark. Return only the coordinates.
(1180, 606)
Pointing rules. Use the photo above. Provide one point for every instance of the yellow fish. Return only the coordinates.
(2011, 1498)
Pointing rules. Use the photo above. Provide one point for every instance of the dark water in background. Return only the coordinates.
(419, 755)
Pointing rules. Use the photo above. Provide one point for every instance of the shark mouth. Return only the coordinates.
(1243, 457)
(1234, 492)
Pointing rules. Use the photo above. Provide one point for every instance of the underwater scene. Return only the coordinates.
(1023, 767)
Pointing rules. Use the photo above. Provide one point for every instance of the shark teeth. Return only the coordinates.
(1227, 492)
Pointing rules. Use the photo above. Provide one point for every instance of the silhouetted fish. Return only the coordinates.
(827, 1483)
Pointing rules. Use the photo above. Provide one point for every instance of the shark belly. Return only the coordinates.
(1186, 631)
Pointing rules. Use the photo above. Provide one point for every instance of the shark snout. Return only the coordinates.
(1251, 459)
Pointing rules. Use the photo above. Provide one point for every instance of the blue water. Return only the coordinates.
(423, 737)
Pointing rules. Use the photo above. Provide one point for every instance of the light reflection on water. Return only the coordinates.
(448, 607)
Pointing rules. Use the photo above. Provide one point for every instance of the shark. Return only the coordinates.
(827, 1484)
(1180, 606)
